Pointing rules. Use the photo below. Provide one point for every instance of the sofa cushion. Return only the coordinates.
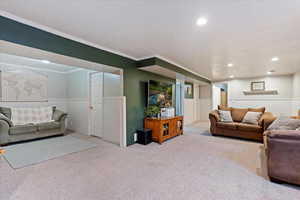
(48, 126)
(225, 116)
(249, 127)
(227, 125)
(22, 129)
(220, 107)
(262, 109)
(238, 114)
(285, 123)
(252, 117)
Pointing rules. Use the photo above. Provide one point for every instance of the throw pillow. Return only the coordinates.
(225, 116)
(252, 118)
(285, 123)
(298, 129)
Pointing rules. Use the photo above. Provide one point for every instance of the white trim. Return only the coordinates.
(59, 33)
(174, 63)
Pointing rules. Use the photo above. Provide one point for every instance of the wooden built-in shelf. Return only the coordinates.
(164, 128)
(263, 92)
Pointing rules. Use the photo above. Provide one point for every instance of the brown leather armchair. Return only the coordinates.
(283, 155)
(237, 128)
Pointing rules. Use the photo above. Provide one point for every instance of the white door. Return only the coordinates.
(96, 104)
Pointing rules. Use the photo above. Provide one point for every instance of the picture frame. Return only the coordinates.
(188, 90)
(258, 86)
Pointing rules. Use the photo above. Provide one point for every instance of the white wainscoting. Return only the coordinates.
(295, 106)
(114, 120)
(78, 115)
(206, 107)
(278, 106)
(189, 110)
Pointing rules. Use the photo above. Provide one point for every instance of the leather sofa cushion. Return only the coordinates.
(220, 107)
(262, 109)
(249, 127)
(22, 129)
(227, 125)
(238, 114)
(48, 126)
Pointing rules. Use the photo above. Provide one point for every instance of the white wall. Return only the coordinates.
(198, 108)
(78, 101)
(280, 104)
(57, 91)
(296, 93)
(205, 102)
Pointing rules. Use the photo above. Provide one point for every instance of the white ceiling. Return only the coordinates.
(247, 33)
(34, 63)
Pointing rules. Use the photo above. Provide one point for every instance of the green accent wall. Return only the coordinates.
(134, 79)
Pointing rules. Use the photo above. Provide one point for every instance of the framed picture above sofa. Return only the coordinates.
(258, 86)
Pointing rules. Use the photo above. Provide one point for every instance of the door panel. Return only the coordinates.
(96, 83)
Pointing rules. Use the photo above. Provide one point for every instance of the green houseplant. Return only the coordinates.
(152, 111)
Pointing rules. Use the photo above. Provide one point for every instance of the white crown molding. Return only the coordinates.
(174, 63)
(59, 33)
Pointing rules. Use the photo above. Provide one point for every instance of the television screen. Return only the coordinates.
(160, 94)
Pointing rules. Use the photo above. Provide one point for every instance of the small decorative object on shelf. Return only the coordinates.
(152, 111)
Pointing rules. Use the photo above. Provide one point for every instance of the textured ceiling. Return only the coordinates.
(245, 33)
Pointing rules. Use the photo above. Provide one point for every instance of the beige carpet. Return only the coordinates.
(194, 166)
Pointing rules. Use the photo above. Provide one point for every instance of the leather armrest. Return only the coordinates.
(214, 115)
(283, 134)
(266, 120)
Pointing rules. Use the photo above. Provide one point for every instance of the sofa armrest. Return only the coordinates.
(283, 134)
(4, 128)
(214, 115)
(283, 150)
(4, 118)
(58, 115)
(266, 120)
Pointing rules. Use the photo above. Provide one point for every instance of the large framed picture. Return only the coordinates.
(188, 90)
(258, 86)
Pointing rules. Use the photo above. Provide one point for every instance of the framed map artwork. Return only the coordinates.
(23, 85)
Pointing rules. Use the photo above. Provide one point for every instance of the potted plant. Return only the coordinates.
(152, 111)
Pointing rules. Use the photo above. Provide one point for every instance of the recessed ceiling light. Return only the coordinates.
(45, 61)
(274, 59)
(201, 21)
(230, 65)
(231, 76)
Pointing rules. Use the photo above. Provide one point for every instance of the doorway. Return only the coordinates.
(107, 118)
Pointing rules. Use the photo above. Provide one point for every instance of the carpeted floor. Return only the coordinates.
(194, 166)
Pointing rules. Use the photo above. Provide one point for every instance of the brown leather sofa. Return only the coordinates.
(283, 160)
(237, 128)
